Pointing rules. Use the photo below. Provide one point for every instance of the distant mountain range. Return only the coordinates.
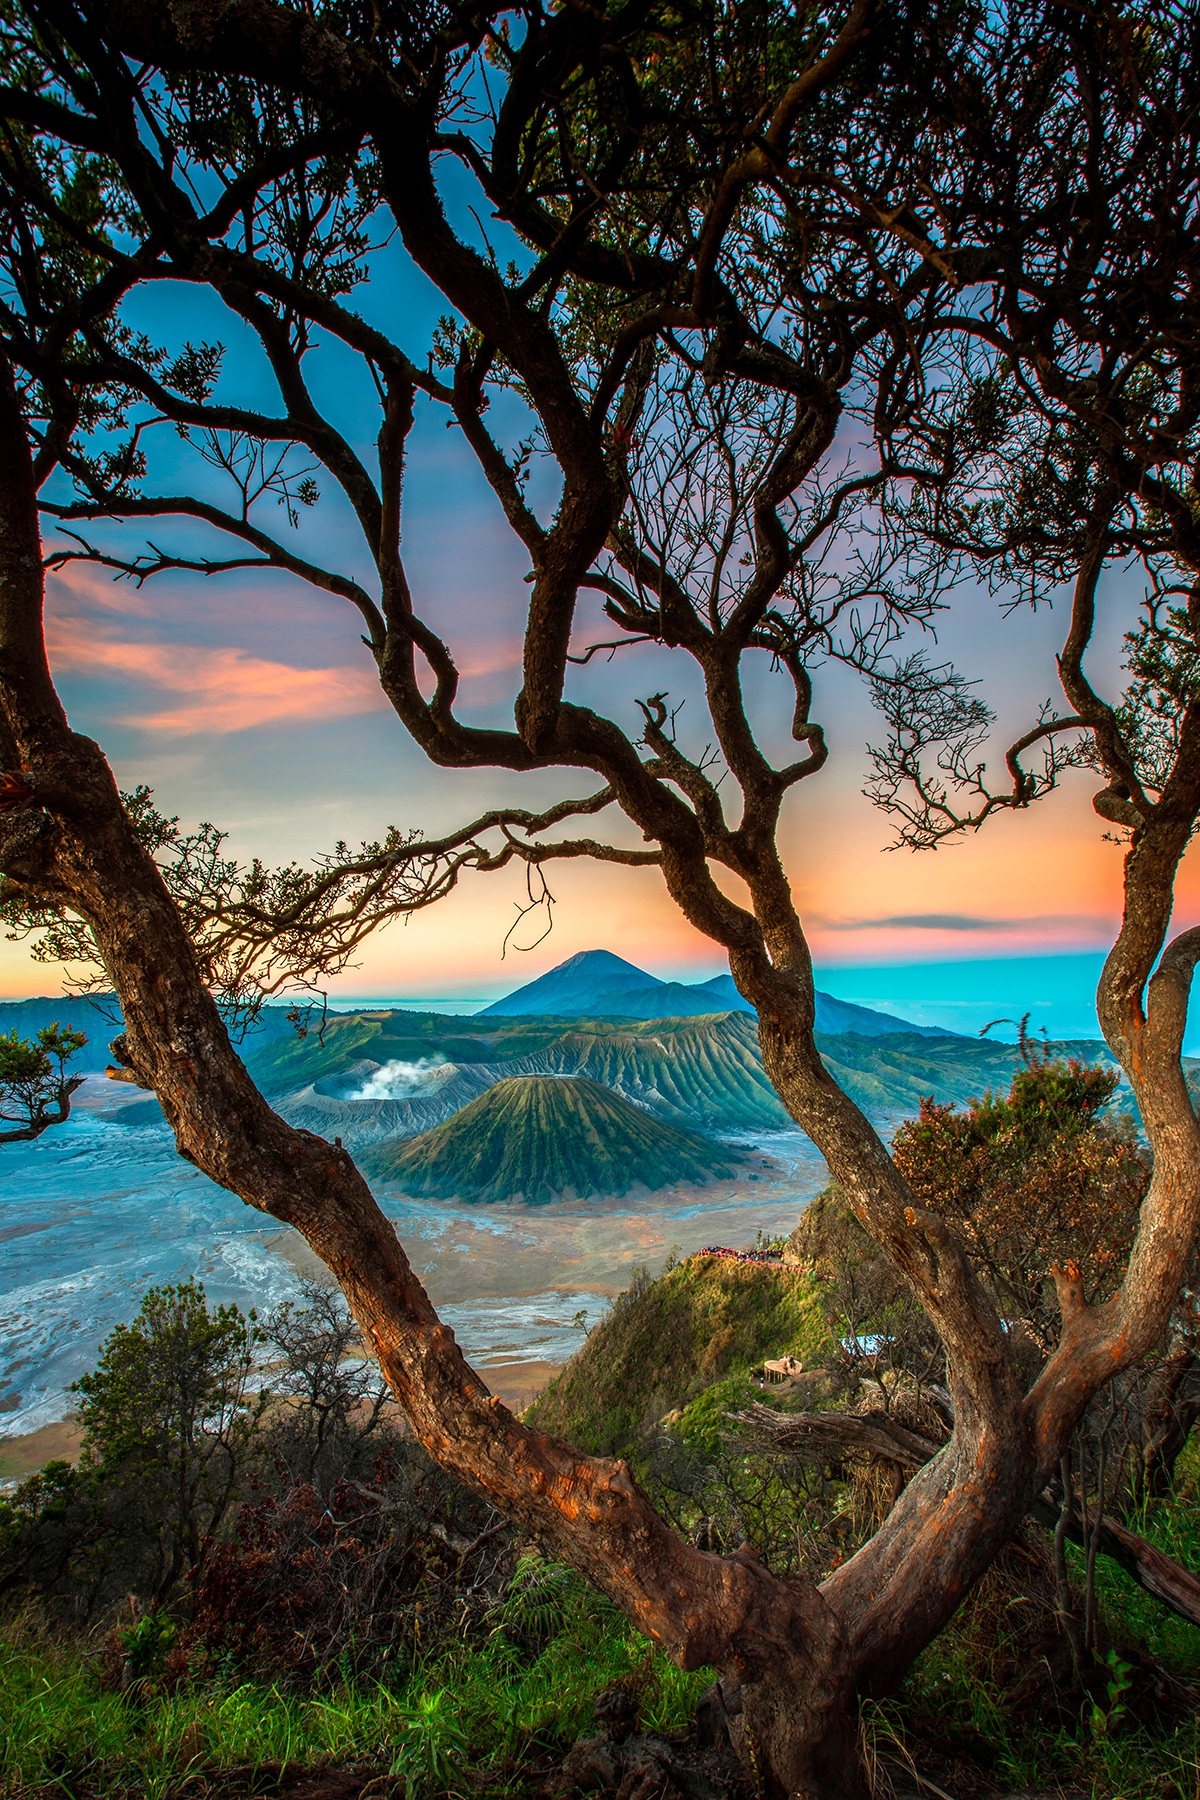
(539, 1138)
(595, 984)
(390, 1074)
(704, 1073)
(442, 1103)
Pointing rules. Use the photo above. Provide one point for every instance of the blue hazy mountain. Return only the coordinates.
(98, 1019)
(98, 1016)
(595, 984)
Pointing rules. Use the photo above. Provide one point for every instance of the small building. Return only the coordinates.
(782, 1368)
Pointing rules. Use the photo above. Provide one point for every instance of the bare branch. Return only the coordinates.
(934, 708)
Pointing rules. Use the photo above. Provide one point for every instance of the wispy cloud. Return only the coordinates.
(97, 627)
(927, 922)
(965, 922)
(212, 690)
(78, 586)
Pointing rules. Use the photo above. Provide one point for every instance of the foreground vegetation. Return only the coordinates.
(505, 1706)
(991, 1702)
(255, 1571)
(496, 1712)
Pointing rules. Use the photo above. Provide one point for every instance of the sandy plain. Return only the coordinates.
(518, 1284)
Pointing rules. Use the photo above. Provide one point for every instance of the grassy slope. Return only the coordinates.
(537, 1137)
(677, 1340)
(706, 1321)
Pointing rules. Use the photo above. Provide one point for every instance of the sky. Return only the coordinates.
(249, 700)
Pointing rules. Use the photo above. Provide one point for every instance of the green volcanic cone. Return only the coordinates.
(538, 1137)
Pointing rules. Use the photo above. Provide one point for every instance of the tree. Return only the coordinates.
(1033, 1180)
(169, 1416)
(1040, 1178)
(170, 1419)
(1049, 1176)
(35, 1089)
(334, 1427)
(743, 240)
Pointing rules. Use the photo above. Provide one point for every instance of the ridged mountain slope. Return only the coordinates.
(706, 1071)
(538, 1138)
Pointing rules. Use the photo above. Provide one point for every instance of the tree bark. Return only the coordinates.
(836, 1436)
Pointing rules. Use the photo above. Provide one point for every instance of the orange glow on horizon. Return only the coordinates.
(1034, 882)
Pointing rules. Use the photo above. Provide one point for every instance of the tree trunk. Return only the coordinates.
(834, 1436)
(792, 1657)
(1172, 1408)
(960, 1509)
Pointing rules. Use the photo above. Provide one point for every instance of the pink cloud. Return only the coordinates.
(81, 584)
(224, 688)
(216, 690)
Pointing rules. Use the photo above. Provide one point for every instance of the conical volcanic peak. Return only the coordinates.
(595, 984)
(542, 1137)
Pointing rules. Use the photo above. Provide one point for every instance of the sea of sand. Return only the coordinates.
(94, 1213)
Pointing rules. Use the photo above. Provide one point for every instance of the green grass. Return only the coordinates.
(520, 1697)
(955, 1694)
(1174, 1527)
(1133, 1764)
(489, 1712)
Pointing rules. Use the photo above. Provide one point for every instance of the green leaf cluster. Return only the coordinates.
(33, 1074)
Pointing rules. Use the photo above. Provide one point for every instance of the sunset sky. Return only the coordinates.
(251, 701)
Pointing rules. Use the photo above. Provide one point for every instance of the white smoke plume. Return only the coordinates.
(397, 1080)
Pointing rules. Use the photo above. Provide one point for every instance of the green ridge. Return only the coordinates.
(704, 1071)
(707, 1070)
(539, 1137)
(392, 1035)
(685, 1342)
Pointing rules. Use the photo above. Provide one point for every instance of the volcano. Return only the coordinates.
(540, 1138)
